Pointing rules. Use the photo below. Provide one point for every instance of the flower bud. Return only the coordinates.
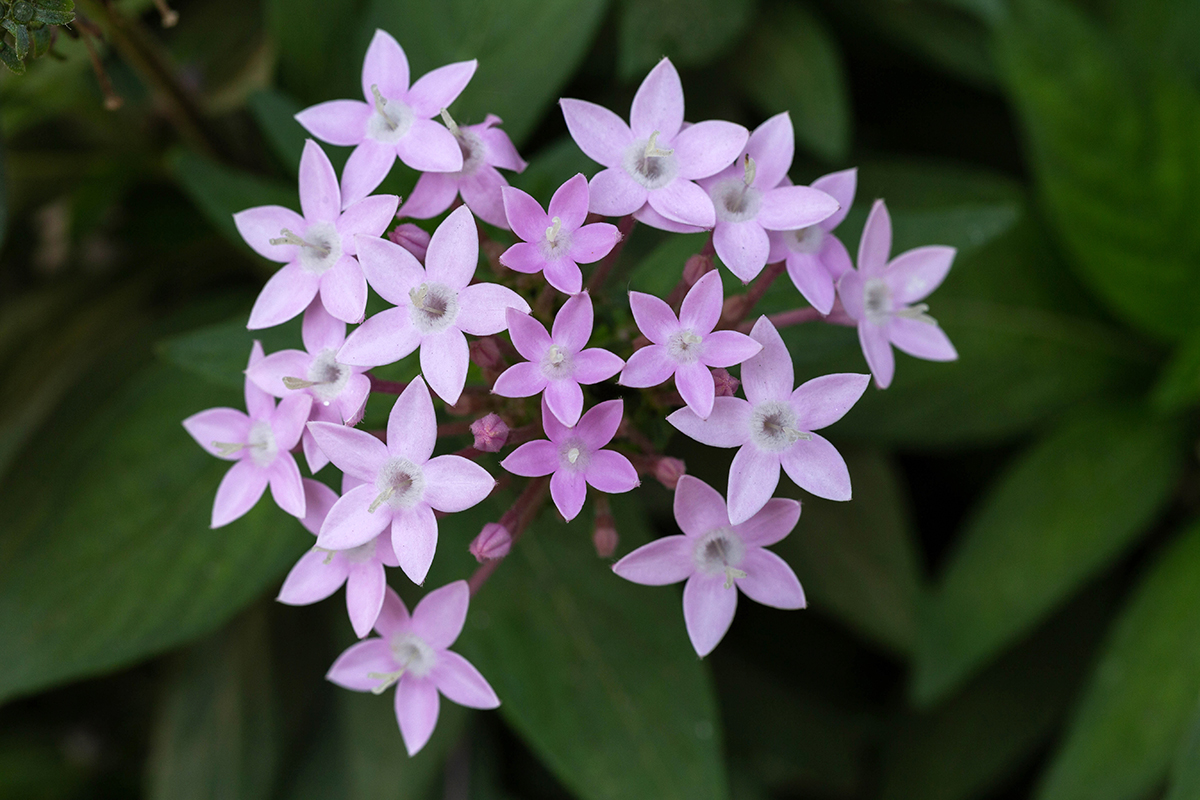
(668, 471)
(726, 384)
(696, 267)
(490, 433)
(412, 238)
(493, 542)
(604, 537)
(486, 353)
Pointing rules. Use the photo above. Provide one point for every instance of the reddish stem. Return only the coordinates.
(737, 308)
(624, 227)
(516, 520)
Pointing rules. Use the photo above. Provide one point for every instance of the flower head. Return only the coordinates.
(773, 427)
(882, 296)
(493, 542)
(557, 361)
(655, 159)
(815, 257)
(318, 247)
(396, 121)
(490, 432)
(685, 346)
(259, 444)
(714, 556)
(574, 458)
(412, 652)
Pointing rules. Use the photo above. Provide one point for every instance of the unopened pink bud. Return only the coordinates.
(668, 471)
(490, 433)
(486, 353)
(605, 538)
(493, 542)
(695, 268)
(412, 238)
(726, 384)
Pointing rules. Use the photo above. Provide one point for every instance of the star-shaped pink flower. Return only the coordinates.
(574, 457)
(318, 247)
(320, 573)
(435, 305)
(882, 296)
(555, 244)
(685, 347)
(558, 362)
(413, 653)
(815, 257)
(396, 121)
(339, 391)
(654, 159)
(774, 425)
(714, 556)
(484, 148)
(402, 484)
(751, 198)
(259, 443)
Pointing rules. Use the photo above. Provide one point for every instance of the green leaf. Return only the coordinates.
(316, 61)
(797, 67)
(690, 33)
(275, 113)
(3, 196)
(1141, 699)
(218, 353)
(1058, 516)
(1113, 146)
(1185, 777)
(554, 629)
(220, 192)
(527, 50)
(216, 736)
(107, 556)
(1162, 31)
(1179, 384)
(858, 560)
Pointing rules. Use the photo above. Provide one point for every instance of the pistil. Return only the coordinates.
(380, 105)
(653, 150)
(288, 237)
(552, 231)
(388, 678)
(731, 575)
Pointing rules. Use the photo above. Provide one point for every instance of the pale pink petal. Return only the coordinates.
(727, 426)
(570, 202)
(653, 316)
(708, 609)
(502, 152)
(344, 290)
(520, 380)
(391, 270)
(362, 659)
(239, 490)
(701, 307)
(313, 455)
(769, 580)
(524, 257)
(453, 250)
(768, 375)
(770, 525)
(565, 400)
(432, 195)
(614, 194)
(696, 387)
(365, 586)
(320, 197)
(368, 217)
(444, 361)
(564, 274)
(339, 122)
(611, 472)
(823, 401)
(320, 331)
(840, 186)
(436, 90)
(368, 165)
(878, 352)
(658, 104)
(593, 242)
(416, 711)
(414, 540)
(532, 459)
(573, 323)
(483, 308)
(385, 66)
(876, 243)
(259, 404)
(727, 348)
(913, 275)
(318, 499)
(772, 146)
(454, 483)
(921, 339)
(458, 679)
(601, 135)
(354, 452)
(525, 216)
(816, 467)
(684, 201)
(568, 490)
(258, 226)
(743, 247)
(428, 147)
(350, 523)
(312, 579)
(385, 553)
(812, 279)
(555, 430)
(385, 338)
(482, 192)
(753, 476)
(225, 425)
(439, 617)
(699, 508)
(287, 420)
(352, 400)
(412, 425)
(393, 617)
(835, 257)
(599, 425)
(707, 147)
(851, 289)
(594, 365)
(791, 207)
(647, 367)
(662, 562)
(286, 294)
(648, 216)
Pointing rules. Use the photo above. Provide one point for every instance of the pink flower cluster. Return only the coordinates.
(658, 170)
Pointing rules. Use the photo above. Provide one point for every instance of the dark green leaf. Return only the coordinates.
(3, 196)
(1185, 778)
(1163, 31)
(107, 555)
(219, 352)
(318, 55)
(659, 271)
(1114, 151)
(1141, 699)
(1064, 511)
(275, 114)
(690, 33)
(216, 736)
(551, 167)
(797, 67)
(1179, 384)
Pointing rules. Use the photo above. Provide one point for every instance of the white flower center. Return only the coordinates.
(877, 301)
(773, 426)
(320, 247)
(361, 554)
(401, 484)
(391, 120)
(650, 165)
(435, 307)
(556, 243)
(261, 443)
(685, 346)
(325, 379)
(574, 455)
(474, 151)
(720, 551)
(557, 363)
(805, 240)
(412, 654)
(735, 201)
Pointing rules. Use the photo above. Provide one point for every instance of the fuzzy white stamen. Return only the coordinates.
(684, 346)
(435, 307)
(653, 150)
(919, 312)
(653, 167)
(388, 679)
(773, 427)
(227, 448)
(552, 231)
(449, 121)
(751, 170)
(391, 120)
(401, 484)
(413, 654)
(719, 552)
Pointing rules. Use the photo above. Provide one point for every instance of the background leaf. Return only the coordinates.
(688, 32)
(275, 113)
(218, 352)
(3, 195)
(1185, 778)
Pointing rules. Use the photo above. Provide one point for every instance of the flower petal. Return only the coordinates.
(350, 523)
(318, 499)
(568, 490)
(851, 289)
(525, 215)
(524, 257)
(365, 587)
(877, 349)
(823, 401)
(840, 186)
(239, 490)
(339, 122)
(743, 247)
(286, 294)
(287, 487)
(614, 194)
(653, 316)
(458, 679)
(595, 364)
(771, 524)
(393, 617)
(258, 226)
(601, 135)
(708, 609)
(835, 257)
(528, 335)
(357, 453)
(570, 202)
(708, 147)
(353, 668)
(593, 242)
(368, 165)
(564, 398)
(772, 145)
(611, 472)
(683, 201)
(225, 425)
(320, 196)
(385, 66)
(482, 192)
(753, 476)
(564, 274)
(391, 270)
(876, 243)
(599, 425)
(532, 459)
(727, 426)
(699, 508)
(483, 308)
(368, 217)
(454, 483)
(658, 104)
(769, 580)
(314, 577)
(662, 562)
(696, 387)
(520, 380)
(647, 367)
(433, 194)
(428, 147)
(914, 274)
(787, 208)
(320, 331)
(444, 360)
(344, 290)
(768, 375)
(436, 90)
(921, 339)
(727, 348)
(385, 338)
(701, 307)
(648, 216)
(416, 711)
(453, 250)
(412, 425)
(817, 467)
(810, 277)
(414, 540)
(502, 152)
(573, 323)
(439, 617)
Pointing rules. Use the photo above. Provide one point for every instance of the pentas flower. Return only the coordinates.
(319, 573)
(412, 652)
(815, 257)
(555, 244)
(558, 362)
(750, 199)
(773, 427)
(484, 148)
(402, 485)
(685, 347)
(655, 159)
(318, 247)
(339, 391)
(714, 556)
(882, 296)
(258, 443)
(573, 457)
(435, 305)
(396, 121)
